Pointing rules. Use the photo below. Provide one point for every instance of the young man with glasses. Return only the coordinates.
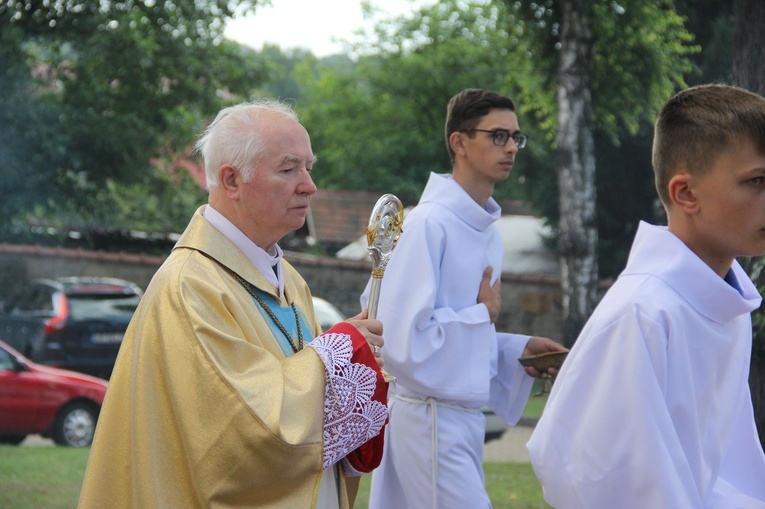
(439, 301)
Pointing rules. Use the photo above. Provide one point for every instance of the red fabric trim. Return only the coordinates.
(368, 456)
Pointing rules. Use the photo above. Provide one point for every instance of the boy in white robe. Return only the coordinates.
(438, 303)
(652, 406)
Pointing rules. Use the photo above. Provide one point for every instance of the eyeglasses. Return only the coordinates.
(500, 136)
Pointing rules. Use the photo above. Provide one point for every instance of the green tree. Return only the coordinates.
(385, 131)
(378, 124)
(616, 64)
(575, 167)
(281, 81)
(711, 23)
(748, 72)
(99, 89)
(625, 187)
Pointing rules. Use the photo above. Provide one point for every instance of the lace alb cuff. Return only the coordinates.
(351, 417)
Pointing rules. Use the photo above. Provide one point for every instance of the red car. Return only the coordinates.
(56, 403)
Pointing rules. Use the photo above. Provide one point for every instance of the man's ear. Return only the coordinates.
(229, 180)
(682, 193)
(457, 143)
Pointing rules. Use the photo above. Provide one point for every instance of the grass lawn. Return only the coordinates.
(45, 477)
(510, 486)
(50, 477)
(536, 403)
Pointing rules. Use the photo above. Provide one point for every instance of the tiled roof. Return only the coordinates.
(340, 217)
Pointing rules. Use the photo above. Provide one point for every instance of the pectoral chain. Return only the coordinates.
(247, 286)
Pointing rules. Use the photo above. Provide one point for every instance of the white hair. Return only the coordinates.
(235, 138)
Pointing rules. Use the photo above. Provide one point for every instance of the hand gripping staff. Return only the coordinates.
(383, 232)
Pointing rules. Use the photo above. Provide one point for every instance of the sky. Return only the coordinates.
(316, 25)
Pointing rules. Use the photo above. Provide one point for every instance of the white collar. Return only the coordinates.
(443, 189)
(266, 263)
(658, 252)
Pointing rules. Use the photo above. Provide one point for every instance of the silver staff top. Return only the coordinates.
(383, 231)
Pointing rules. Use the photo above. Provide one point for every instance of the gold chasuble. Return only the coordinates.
(203, 408)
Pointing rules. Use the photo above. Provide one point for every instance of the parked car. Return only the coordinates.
(74, 323)
(326, 312)
(56, 403)
(495, 425)
(329, 315)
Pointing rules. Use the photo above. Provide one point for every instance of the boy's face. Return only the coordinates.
(487, 161)
(730, 217)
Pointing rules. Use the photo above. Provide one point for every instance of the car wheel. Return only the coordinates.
(75, 425)
(12, 439)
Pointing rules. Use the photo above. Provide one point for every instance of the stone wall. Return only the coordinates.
(21, 263)
(531, 304)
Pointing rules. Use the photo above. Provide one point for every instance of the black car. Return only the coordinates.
(75, 323)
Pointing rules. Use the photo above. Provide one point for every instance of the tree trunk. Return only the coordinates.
(749, 73)
(749, 45)
(575, 169)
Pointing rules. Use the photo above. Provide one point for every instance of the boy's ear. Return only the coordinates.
(682, 193)
(456, 142)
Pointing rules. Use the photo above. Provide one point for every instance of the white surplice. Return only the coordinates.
(652, 408)
(448, 358)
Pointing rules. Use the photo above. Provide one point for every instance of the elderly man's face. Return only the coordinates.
(276, 200)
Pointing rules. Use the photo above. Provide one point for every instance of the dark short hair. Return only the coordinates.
(467, 108)
(698, 124)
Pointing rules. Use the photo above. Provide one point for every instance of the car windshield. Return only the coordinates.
(102, 306)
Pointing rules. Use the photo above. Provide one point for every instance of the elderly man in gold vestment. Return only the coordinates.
(225, 392)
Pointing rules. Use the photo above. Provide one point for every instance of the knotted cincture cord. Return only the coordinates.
(433, 403)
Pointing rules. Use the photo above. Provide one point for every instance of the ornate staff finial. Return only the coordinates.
(383, 231)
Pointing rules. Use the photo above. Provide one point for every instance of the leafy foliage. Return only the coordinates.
(642, 53)
(94, 92)
(378, 125)
(104, 87)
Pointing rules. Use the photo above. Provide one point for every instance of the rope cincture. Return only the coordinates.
(433, 405)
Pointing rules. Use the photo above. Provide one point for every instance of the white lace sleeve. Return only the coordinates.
(351, 417)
